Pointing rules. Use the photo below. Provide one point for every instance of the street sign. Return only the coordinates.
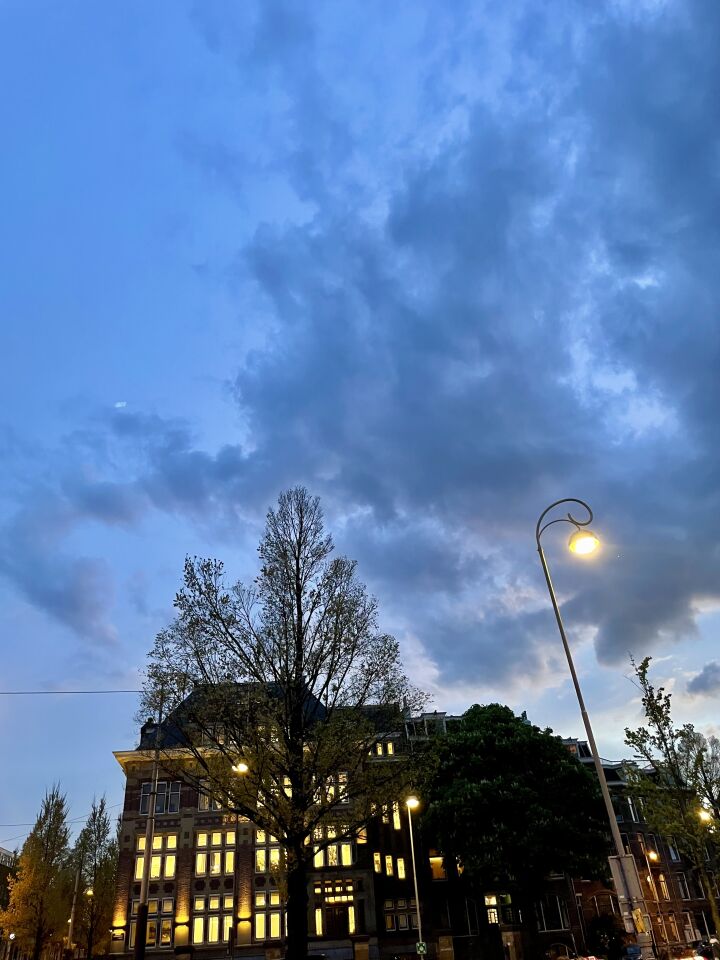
(421, 948)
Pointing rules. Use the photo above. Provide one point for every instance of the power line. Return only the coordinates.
(45, 693)
(111, 806)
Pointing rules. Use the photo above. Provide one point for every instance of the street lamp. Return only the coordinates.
(583, 542)
(412, 803)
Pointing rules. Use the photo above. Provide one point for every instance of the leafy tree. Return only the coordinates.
(510, 804)
(96, 856)
(291, 678)
(680, 781)
(606, 936)
(39, 903)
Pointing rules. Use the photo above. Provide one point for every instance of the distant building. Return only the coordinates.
(677, 908)
(6, 857)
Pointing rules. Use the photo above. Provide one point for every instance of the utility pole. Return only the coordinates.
(142, 914)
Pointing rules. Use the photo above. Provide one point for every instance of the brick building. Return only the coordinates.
(677, 908)
(211, 869)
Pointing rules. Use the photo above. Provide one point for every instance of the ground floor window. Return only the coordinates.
(269, 915)
(159, 925)
(400, 914)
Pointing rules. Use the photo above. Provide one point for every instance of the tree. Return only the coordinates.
(510, 804)
(96, 855)
(290, 680)
(679, 784)
(39, 905)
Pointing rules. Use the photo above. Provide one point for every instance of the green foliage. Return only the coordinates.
(512, 804)
(606, 936)
(39, 895)
(96, 855)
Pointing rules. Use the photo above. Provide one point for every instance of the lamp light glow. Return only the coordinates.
(583, 542)
(705, 816)
(412, 803)
(652, 855)
(240, 767)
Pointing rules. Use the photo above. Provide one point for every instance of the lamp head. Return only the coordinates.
(240, 767)
(89, 892)
(583, 542)
(705, 816)
(652, 855)
(412, 803)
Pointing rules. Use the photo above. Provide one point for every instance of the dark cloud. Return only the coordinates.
(706, 682)
(514, 302)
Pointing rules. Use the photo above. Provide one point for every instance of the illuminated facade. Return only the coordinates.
(210, 870)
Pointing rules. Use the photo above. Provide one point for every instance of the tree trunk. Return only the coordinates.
(297, 905)
(38, 943)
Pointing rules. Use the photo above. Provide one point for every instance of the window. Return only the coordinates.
(167, 797)
(401, 868)
(681, 881)
(672, 848)
(672, 923)
(215, 853)
(664, 890)
(625, 842)
(389, 865)
(159, 926)
(267, 852)
(437, 866)
(396, 815)
(332, 854)
(552, 913)
(631, 809)
(377, 862)
(212, 918)
(206, 802)
(163, 857)
(398, 915)
(268, 915)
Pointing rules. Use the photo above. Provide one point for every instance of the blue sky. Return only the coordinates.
(442, 263)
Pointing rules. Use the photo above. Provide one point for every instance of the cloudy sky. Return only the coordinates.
(442, 263)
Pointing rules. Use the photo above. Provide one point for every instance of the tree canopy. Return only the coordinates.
(511, 804)
(290, 680)
(38, 901)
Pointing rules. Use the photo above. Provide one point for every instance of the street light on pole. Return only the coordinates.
(412, 803)
(583, 542)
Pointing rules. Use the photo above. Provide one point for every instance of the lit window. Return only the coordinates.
(396, 815)
(377, 863)
(198, 930)
(389, 865)
(401, 868)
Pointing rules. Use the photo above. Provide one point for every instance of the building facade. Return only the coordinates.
(215, 888)
(215, 879)
(678, 912)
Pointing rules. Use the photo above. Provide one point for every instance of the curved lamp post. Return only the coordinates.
(583, 542)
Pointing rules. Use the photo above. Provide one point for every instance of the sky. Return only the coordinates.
(443, 264)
